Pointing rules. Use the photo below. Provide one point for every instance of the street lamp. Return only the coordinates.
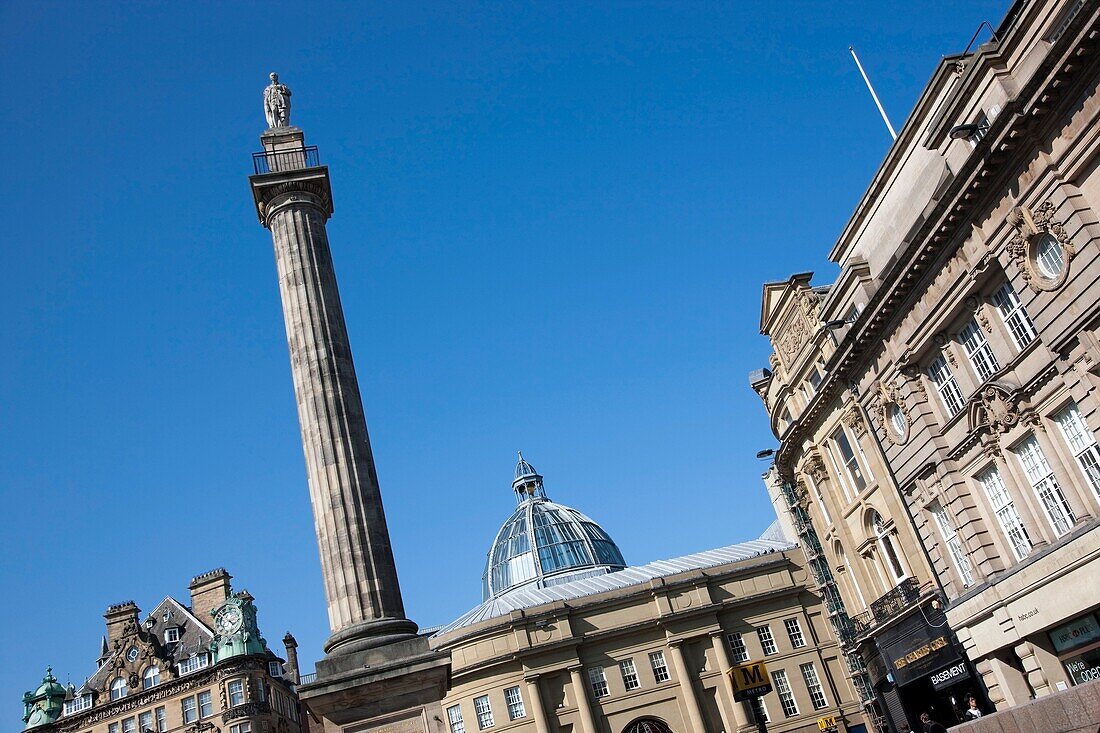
(764, 454)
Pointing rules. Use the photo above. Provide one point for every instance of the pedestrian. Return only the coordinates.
(973, 712)
(931, 726)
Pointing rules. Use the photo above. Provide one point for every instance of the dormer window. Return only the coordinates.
(275, 669)
(78, 703)
(118, 688)
(171, 635)
(194, 662)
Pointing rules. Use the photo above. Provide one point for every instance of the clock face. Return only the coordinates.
(228, 620)
(132, 653)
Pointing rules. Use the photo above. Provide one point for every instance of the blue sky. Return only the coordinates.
(552, 226)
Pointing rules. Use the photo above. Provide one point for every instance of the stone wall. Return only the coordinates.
(1074, 711)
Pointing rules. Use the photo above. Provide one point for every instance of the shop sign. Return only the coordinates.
(750, 680)
(1084, 667)
(949, 676)
(1078, 632)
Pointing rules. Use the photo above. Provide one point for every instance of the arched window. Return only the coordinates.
(647, 725)
(118, 688)
(151, 677)
(886, 546)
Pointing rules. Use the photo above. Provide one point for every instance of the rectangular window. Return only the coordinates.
(1082, 442)
(598, 681)
(813, 684)
(767, 641)
(236, 693)
(112, 728)
(630, 674)
(206, 704)
(1041, 476)
(839, 475)
(190, 710)
(794, 631)
(454, 718)
(145, 722)
(660, 669)
(171, 635)
(737, 647)
(954, 543)
(484, 712)
(78, 703)
(515, 703)
(944, 381)
(129, 725)
(763, 710)
(245, 727)
(194, 662)
(848, 457)
(275, 669)
(162, 719)
(1015, 318)
(786, 697)
(820, 500)
(977, 349)
(815, 377)
(1005, 509)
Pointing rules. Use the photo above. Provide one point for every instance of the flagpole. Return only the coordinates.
(874, 96)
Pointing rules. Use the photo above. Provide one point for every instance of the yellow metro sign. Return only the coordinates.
(750, 680)
(827, 723)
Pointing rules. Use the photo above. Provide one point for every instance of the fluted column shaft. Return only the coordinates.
(360, 577)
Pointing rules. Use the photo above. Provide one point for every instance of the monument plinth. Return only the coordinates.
(376, 666)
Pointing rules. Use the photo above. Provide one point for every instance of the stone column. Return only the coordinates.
(584, 708)
(364, 599)
(691, 699)
(542, 725)
(722, 652)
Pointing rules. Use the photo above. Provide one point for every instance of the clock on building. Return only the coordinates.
(229, 619)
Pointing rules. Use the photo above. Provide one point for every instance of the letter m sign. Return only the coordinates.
(749, 680)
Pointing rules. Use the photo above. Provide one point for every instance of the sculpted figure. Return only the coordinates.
(277, 103)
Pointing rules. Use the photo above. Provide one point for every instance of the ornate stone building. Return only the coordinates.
(186, 669)
(937, 404)
(569, 639)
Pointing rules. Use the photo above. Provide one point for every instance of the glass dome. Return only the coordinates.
(544, 543)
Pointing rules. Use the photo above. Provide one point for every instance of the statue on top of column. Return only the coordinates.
(277, 103)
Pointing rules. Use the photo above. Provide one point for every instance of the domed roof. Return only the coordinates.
(544, 543)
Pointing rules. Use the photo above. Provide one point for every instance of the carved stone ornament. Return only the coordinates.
(913, 375)
(853, 419)
(977, 307)
(815, 468)
(995, 408)
(1034, 227)
(887, 398)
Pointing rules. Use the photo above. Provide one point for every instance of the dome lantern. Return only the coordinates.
(544, 543)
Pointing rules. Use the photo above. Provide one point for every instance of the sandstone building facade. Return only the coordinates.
(937, 405)
(183, 669)
(571, 640)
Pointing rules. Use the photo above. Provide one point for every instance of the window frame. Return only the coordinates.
(738, 651)
(814, 686)
(1040, 475)
(947, 387)
(1014, 316)
(208, 706)
(853, 471)
(454, 719)
(118, 689)
(231, 696)
(786, 695)
(1081, 442)
(160, 713)
(794, 629)
(1004, 509)
(959, 557)
(514, 703)
(484, 717)
(659, 666)
(597, 682)
(151, 672)
(978, 351)
(767, 639)
(631, 681)
(194, 709)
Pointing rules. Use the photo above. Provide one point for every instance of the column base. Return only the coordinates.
(369, 635)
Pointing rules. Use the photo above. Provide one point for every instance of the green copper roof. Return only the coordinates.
(45, 704)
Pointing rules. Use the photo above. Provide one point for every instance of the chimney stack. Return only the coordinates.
(291, 645)
(208, 591)
(122, 619)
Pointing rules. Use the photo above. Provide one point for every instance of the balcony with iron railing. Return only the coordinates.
(280, 161)
(890, 605)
